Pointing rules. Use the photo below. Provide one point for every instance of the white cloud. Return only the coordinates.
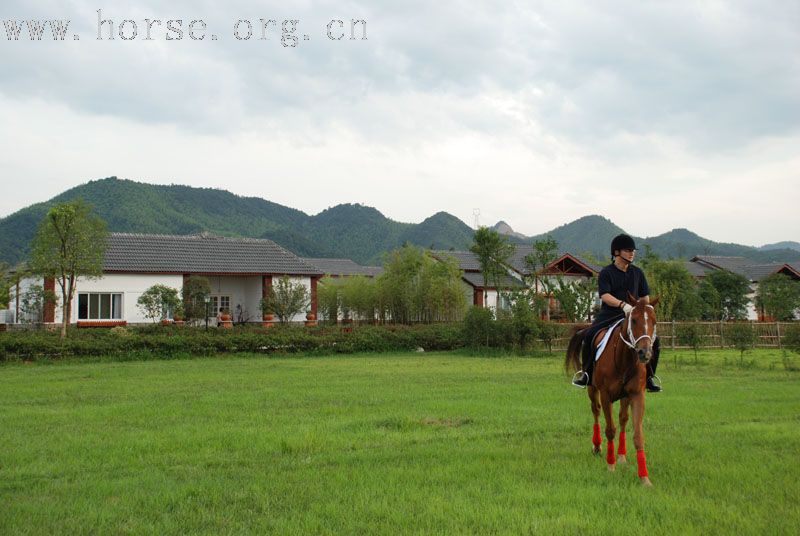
(536, 113)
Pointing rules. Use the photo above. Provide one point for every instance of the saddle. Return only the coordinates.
(601, 339)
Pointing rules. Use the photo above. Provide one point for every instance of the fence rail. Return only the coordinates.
(767, 334)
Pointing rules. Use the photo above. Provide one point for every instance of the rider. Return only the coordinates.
(614, 282)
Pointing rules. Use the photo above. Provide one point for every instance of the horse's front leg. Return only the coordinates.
(611, 431)
(638, 437)
(622, 449)
(594, 397)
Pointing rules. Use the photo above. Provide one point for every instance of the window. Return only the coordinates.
(218, 303)
(99, 306)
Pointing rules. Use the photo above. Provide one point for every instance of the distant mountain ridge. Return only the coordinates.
(352, 231)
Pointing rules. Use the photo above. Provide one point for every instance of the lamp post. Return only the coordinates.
(207, 299)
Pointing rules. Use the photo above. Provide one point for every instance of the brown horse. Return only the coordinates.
(620, 374)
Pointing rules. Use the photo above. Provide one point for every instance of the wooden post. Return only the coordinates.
(778, 331)
(673, 333)
(721, 338)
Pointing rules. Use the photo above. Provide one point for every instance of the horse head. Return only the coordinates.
(640, 329)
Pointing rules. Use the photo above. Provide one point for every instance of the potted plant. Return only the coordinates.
(268, 313)
(178, 314)
(225, 319)
(311, 319)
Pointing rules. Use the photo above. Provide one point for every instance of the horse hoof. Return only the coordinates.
(612, 467)
(646, 482)
(622, 459)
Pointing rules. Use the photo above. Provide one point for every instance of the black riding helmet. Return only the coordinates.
(621, 242)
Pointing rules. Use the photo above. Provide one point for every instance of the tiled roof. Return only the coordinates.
(697, 269)
(343, 267)
(738, 265)
(476, 280)
(467, 260)
(732, 264)
(200, 253)
(757, 272)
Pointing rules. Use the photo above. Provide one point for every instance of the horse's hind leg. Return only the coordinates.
(622, 449)
(594, 397)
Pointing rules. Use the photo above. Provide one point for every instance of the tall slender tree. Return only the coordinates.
(70, 243)
(493, 252)
(544, 252)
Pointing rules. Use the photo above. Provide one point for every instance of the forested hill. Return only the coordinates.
(352, 231)
(593, 234)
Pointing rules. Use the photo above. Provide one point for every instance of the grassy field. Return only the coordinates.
(382, 444)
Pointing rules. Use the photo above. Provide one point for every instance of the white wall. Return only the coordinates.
(131, 286)
(243, 290)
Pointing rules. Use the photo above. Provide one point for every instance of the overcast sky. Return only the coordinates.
(656, 115)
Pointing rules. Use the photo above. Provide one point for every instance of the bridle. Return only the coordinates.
(630, 342)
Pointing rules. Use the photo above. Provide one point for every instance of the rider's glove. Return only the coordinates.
(627, 308)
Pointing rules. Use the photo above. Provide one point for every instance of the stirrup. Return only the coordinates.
(579, 376)
(656, 381)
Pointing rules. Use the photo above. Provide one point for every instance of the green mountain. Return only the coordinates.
(352, 231)
(593, 234)
(781, 245)
(589, 234)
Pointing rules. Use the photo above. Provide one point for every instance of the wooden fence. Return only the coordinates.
(768, 334)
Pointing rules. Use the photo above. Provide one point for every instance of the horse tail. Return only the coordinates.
(572, 361)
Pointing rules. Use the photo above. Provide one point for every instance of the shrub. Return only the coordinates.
(791, 338)
(742, 336)
(478, 327)
(691, 335)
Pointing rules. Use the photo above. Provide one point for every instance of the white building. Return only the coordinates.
(240, 271)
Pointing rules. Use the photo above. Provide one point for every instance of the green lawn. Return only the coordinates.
(378, 444)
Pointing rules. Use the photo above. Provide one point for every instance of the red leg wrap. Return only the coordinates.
(642, 463)
(623, 449)
(610, 453)
(596, 441)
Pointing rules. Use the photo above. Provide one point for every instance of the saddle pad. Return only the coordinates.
(602, 345)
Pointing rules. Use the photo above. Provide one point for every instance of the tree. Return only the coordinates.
(285, 299)
(779, 296)
(158, 302)
(195, 291)
(544, 252)
(493, 252)
(675, 288)
(396, 284)
(33, 302)
(70, 243)
(523, 318)
(729, 296)
(415, 286)
(575, 297)
(328, 298)
(5, 284)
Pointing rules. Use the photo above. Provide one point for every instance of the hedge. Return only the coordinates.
(168, 341)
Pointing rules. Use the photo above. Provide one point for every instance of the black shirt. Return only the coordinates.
(614, 281)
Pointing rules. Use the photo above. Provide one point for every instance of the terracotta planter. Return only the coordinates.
(311, 320)
(165, 322)
(225, 321)
(180, 322)
(268, 320)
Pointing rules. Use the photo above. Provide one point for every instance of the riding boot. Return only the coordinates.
(584, 377)
(651, 385)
